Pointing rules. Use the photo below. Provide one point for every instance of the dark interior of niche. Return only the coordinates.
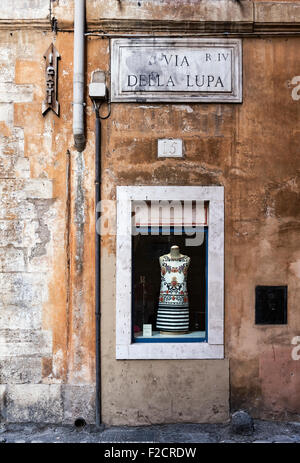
(146, 250)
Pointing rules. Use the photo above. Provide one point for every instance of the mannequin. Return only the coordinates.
(173, 306)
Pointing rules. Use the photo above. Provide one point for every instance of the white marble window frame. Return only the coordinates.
(214, 347)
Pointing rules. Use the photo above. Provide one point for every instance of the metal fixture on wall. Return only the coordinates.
(271, 305)
(51, 73)
(98, 95)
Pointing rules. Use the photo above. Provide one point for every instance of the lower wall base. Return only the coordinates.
(194, 394)
(165, 392)
(47, 403)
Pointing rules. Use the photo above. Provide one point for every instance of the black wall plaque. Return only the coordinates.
(271, 305)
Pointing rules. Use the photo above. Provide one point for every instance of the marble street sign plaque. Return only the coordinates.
(176, 70)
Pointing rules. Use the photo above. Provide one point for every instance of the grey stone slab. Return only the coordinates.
(283, 439)
(186, 437)
(37, 403)
(20, 370)
(165, 69)
(128, 436)
(2, 404)
(79, 402)
(20, 343)
(23, 290)
(20, 317)
(22, 9)
(241, 423)
(262, 441)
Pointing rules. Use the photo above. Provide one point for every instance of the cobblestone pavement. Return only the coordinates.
(264, 432)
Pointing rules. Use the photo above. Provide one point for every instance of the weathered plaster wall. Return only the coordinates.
(209, 10)
(46, 319)
(25, 9)
(47, 353)
(182, 16)
(251, 149)
(263, 231)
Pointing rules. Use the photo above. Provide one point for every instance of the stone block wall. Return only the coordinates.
(24, 201)
(43, 377)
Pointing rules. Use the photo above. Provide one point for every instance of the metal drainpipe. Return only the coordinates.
(97, 261)
(78, 75)
(79, 141)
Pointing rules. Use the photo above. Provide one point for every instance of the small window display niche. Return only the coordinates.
(169, 271)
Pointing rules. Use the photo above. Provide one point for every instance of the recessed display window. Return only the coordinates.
(169, 276)
(170, 272)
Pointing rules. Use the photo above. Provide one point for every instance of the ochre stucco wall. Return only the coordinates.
(262, 237)
(251, 149)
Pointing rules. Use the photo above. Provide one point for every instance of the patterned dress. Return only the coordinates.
(173, 306)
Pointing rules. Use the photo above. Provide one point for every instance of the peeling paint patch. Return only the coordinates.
(79, 210)
(43, 232)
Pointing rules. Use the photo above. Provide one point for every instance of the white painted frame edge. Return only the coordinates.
(214, 347)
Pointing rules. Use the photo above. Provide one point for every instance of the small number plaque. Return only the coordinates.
(169, 148)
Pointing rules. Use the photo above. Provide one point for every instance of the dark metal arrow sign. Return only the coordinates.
(51, 72)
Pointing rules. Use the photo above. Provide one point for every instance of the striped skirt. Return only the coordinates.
(172, 318)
